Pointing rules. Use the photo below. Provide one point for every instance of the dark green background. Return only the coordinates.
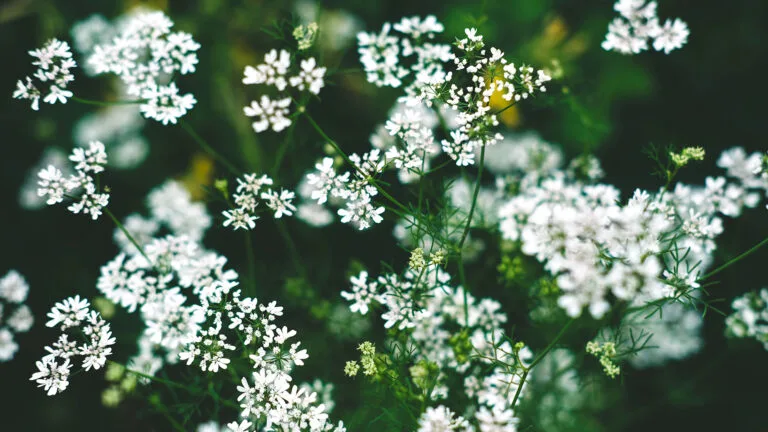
(711, 93)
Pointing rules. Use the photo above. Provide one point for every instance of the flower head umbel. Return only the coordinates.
(54, 186)
(637, 24)
(144, 54)
(54, 61)
(274, 111)
(252, 190)
(74, 317)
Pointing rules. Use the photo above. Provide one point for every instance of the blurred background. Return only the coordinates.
(711, 94)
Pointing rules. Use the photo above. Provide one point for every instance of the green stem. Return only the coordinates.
(292, 250)
(208, 149)
(520, 387)
(551, 345)
(251, 264)
(505, 108)
(474, 198)
(734, 260)
(106, 103)
(133, 241)
(538, 358)
(462, 277)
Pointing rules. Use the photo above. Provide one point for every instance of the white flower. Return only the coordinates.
(53, 377)
(143, 55)
(52, 185)
(441, 419)
(362, 294)
(243, 426)
(69, 312)
(164, 104)
(672, 35)
(280, 203)
(54, 61)
(8, 347)
(638, 23)
(269, 113)
(21, 319)
(238, 218)
(92, 160)
(310, 77)
(13, 287)
(272, 72)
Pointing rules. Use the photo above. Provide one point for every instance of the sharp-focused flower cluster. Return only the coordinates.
(273, 112)
(54, 61)
(28, 197)
(251, 190)
(145, 54)
(430, 309)
(15, 317)
(750, 317)
(638, 24)
(596, 247)
(187, 299)
(54, 186)
(354, 189)
(466, 91)
(73, 316)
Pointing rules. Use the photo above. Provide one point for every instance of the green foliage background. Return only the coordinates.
(710, 94)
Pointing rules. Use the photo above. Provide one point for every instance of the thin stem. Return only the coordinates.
(462, 277)
(551, 345)
(505, 108)
(540, 357)
(133, 241)
(106, 103)
(520, 387)
(153, 378)
(474, 198)
(208, 149)
(251, 262)
(292, 250)
(735, 260)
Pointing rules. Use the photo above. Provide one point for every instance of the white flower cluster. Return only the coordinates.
(381, 54)
(354, 190)
(54, 186)
(54, 61)
(750, 317)
(13, 292)
(430, 309)
(442, 419)
(638, 23)
(187, 299)
(144, 54)
(247, 197)
(274, 72)
(471, 97)
(597, 248)
(466, 91)
(73, 314)
(157, 288)
(28, 197)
